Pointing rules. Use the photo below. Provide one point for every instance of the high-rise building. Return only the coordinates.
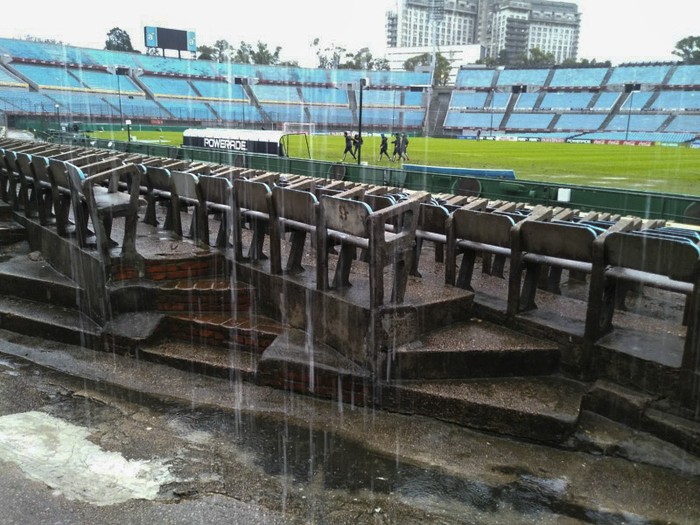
(513, 27)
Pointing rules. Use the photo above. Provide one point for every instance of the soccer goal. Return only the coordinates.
(293, 128)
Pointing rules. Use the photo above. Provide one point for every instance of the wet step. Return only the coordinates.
(252, 333)
(213, 361)
(11, 232)
(473, 349)
(294, 362)
(540, 408)
(203, 295)
(30, 277)
(51, 322)
(5, 211)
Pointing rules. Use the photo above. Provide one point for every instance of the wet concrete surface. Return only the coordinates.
(257, 455)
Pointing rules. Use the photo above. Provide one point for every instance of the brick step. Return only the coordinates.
(55, 323)
(473, 349)
(201, 296)
(203, 359)
(197, 267)
(30, 277)
(237, 330)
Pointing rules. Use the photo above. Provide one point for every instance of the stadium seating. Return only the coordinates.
(679, 100)
(473, 120)
(529, 120)
(638, 74)
(606, 100)
(187, 109)
(49, 76)
(330, 115)
(687, 123)
(475, 78)
(645, 136)
(500, 101)
(21, 100)
(319, 95)
(282, 94)
(636, 122)
(527, 100)
(637, 100)
(529, 77)
(577, 121)
(103, 81)
(685, 76)
(584, 77)
(168, 86)
(8, 80)
(219, 90)
(566, 100)
(463, 99)
(154, 64)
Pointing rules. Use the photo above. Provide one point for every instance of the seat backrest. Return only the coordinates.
(216, 189)
(674, 258)
(346, 216)
(11, 161)
(59, 174)
(185, 184)
(251, 195)
(24, 161)
(157, 178)
(379, 202)
(295, 205)
(433, 218)
(565, 241)
(482, 227)
(40, 165)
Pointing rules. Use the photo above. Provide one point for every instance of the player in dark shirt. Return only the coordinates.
(348, 146)
(397, 147)
(404, 147)
(383, 148)
(356, 143)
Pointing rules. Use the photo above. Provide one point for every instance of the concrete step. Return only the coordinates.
(11, 232)
(293, 362)
(473, 349)
(542, 408)
(252, 333)
(55, 323)
(29, 276)
(5, 211)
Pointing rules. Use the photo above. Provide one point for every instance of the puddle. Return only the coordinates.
(57, 453)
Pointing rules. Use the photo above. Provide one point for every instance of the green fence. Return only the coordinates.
(647, 205)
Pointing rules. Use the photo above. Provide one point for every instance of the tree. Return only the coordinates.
(539, 58)
(118, 40)
(31, 38)
(585, 63)
(442, 66)
(329, 57)
(688, 49)
(206, 53)
(260, 53)
(223, 51)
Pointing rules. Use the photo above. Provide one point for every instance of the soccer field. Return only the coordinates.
(657, 169)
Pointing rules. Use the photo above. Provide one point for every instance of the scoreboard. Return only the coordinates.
(164, 38)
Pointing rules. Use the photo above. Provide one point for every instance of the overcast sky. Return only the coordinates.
(618, 30)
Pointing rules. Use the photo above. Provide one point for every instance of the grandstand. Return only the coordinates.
(89, 85)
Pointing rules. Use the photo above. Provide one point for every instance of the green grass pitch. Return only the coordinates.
(656, 169)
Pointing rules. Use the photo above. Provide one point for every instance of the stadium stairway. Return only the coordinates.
(439, 106)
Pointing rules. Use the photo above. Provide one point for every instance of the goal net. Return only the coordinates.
(299, 127)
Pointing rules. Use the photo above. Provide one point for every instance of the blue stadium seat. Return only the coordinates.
(475, 78)
(685, 123)
(529, 120)
(320, 95)
(606, 100)
(641, 74)
(686, 100)
(566, 100)
(329, 115)
(575, 121)
(8, 80)
(179, 87)
(270, 93)
(220, 89)
(686, 75)
(187, 109)
(636, 100)
(473, 120)
(636, 122)
(530, 77)
(579, 77)
(104, 81)
(463, 99)
(527, 100)
(49, 76)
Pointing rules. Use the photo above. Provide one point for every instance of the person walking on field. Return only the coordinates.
(348, 146)
(404, 147)
(397, 147)
(356, 143)
(383, 148)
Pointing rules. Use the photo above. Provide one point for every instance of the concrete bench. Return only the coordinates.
(536, 244)
(158, 190)
(354, 225)
(251, 206)
(185, 192)
(88, 194)
(471, 232)
(217, 198)
(294, 210)
(666, 263)
(432, 227)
